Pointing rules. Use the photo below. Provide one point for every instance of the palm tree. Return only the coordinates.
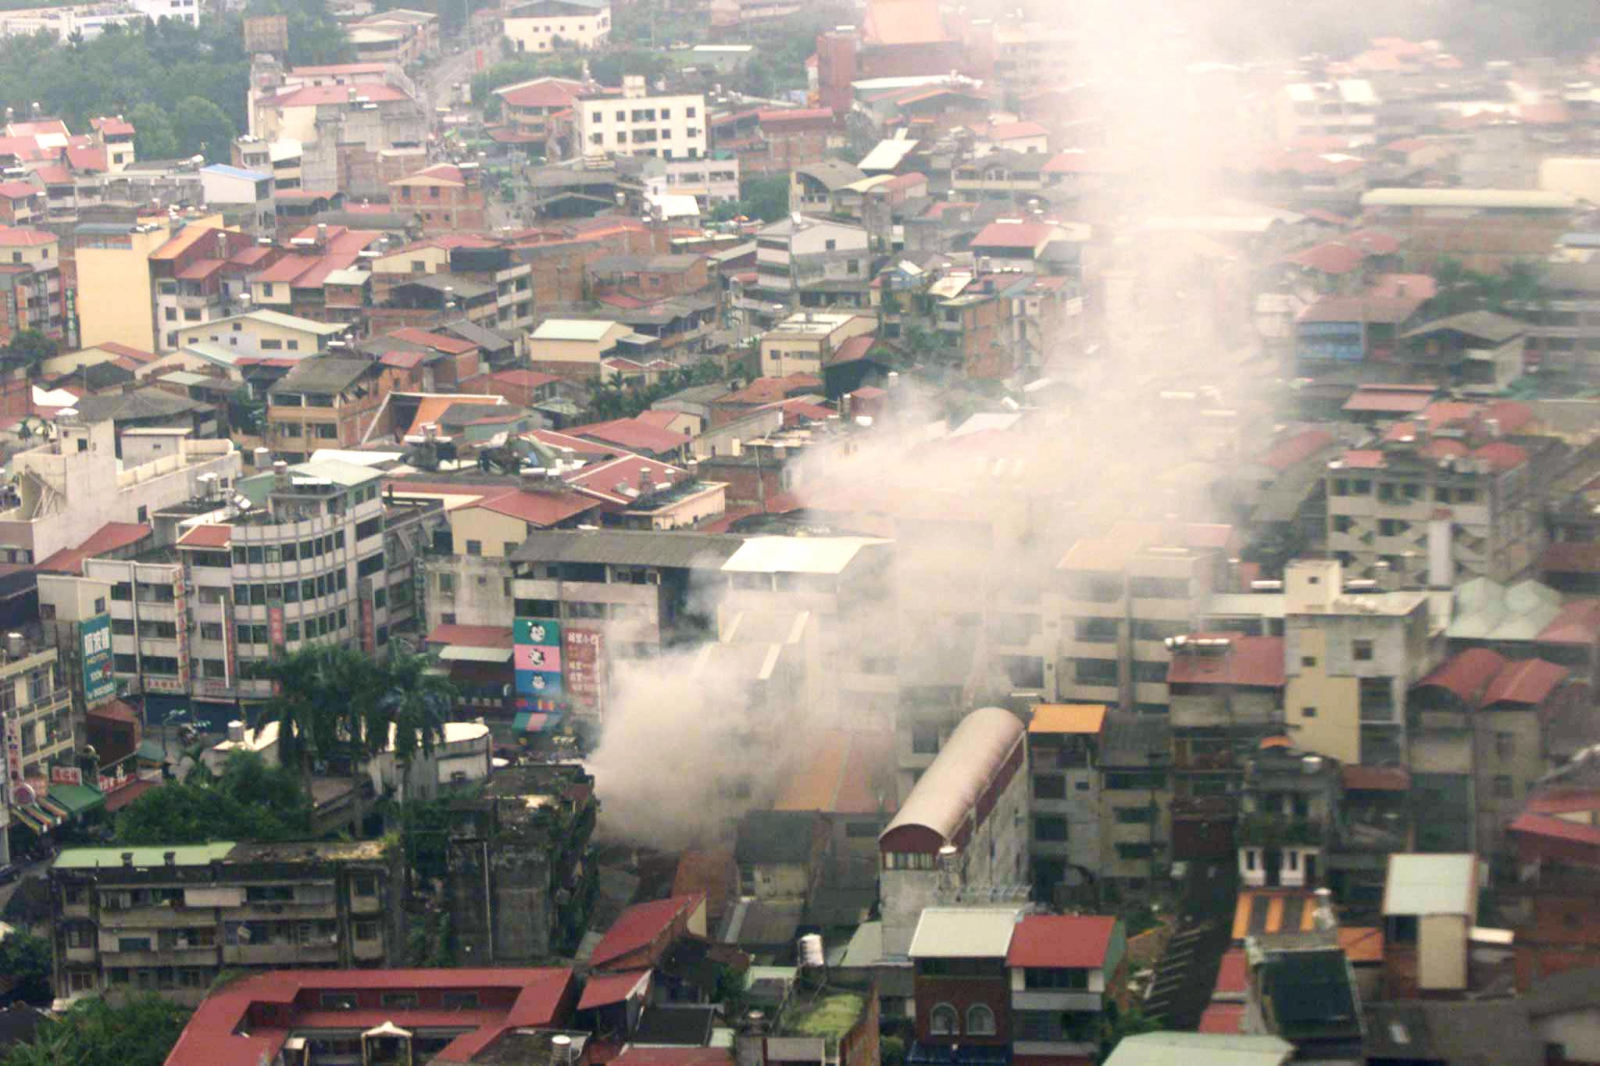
(354, 685)
(307, 720)
(418, 703)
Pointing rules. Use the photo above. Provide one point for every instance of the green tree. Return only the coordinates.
(249, 800)
(307, 719)
(418, 703)
(27, 957)
(202, 128)
(140, 1032)
(153, 137)
(765, 198)
(31, 346)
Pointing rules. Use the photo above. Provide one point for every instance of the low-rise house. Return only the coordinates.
(962, 986)
(1064, 802)
(1066, 971)
(1430, 904)
(781, 855)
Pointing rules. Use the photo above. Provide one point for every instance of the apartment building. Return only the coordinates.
(171, 920)
(1433, 507)
(448, 197)
(36, 714)
(533, 107)
(75, 484)
(546, 25)
(798, 252)
(1123, 595)
(31, 286)
(1135, 803)
(1067, 973)
(636, 123)
(807, 341)
(1347, 108)
(481, 260)
(21, 203)
(112, 260)
(327, 402)
(1064, 797)
(1349, 660)
(190, 281)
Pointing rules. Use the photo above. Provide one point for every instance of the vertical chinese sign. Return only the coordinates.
(582, 669)
(94, 643)
(537, 657)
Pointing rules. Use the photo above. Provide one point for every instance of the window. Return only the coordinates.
(924, 738)
(1049, 786)
(1135, 815)
(210, 630)
(1049, 828)
(1361, 651)
(1308, 660)
(1136, 779)
(1068, 979)
(942, 1020)
(1308, 712)
(1505, 745)
(399, 1000)
(980, 1020)
(1503, 787)
(460, 1000)
(338, 1001)
(474, 547)
(1135, 851)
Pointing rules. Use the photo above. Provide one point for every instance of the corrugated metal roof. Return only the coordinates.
(1068, 718)
(1430, 884)
(945, 795)
(629, 548)
(964, 932)
(184, 855)
(1200, 1049)
(797, 555)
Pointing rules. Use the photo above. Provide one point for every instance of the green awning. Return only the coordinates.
(35, 817)
(534, 721)
(150, 751)
(77, 799)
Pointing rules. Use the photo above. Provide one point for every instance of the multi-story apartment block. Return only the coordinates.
(1123, 595)
(546, 25)
(75, 484)
(170, 920)
(542, 108)
(36, 715)
(31, 286)
(1350, 659)
(1064, 796)
(806, 342)
(112, 260)
(1289, 819)
(22, 203)
(188, 282)
(1067, 972)
(797, 253)
(1436, 507)
(1347, 108)
(671, 127)
(448, 197)
(245, 194)
(1135, 802)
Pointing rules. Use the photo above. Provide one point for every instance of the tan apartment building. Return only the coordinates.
(266, 333)
(1350, 660)
(171, 920)
(574, 347)
(114, 283)
(37, 711)
(806, 341)
(327, 402)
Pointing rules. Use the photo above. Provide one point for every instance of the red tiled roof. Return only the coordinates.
(112, 127)
(200, 269)
(632, 434)
(436, 341)
(87, 159)
(538, 508)
(125, 795)
(109, 537)
(852, 349)
(115, 711)
(438, 172)
(796, 114)
(1551, 828)
(17, 190)
(1225, 1018)
(1467, 674)
(1252, 661)
(1571, 557)
(1016, 234)
(315, 95)
(763, 391)
(604, 989)
(542, 92)
(1375, 778)
(1361, 943)
(1296, 449)
(402, 360)
(126, 352)
(471, 636)
(1391, 399)
(1501, 455)
(637, 929)
(1577, 623)
(710, 871)
(53, 174)
(286, 269)
(14, 237)
(602, 480)
(1233, 976)
(1362, 459)
(1331, 257)
(1071, 942)
(1527, 681)
(207, 536)
(1565, 801)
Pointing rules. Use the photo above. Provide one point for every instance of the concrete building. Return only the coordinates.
(574, 347)
(961, 984)
(38, 734)
(448, 197)
(962, 832)
(1430, 905)
(1066, 973)
(32, 291)
(1350, 660)
(230, 186)
(636, 123)
(1288, 819)
(326, 402)
(170, 920)
(197, 277)
(112, 261)
(1064, 795)
(1346, 108)
(548, 25)
(807, 341)
(76, 484)
(1135, 804)
(800, 251)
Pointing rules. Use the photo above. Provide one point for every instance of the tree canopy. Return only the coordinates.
(140, 1032)
(27, 957)
(249, 800)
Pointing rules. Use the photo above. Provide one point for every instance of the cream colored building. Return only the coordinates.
(115, 294)
(1350, 660)
(574, 346)
(670, 127)
(264, 333)
(548, 24)
(804, 342)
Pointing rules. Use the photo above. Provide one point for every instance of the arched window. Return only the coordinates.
(980, 1020)
(942, 1021)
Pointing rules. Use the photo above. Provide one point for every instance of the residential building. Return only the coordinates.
(547, 25)
(1066, 971)
(1135, 804)
(807, 341)
(76, 483)
(39, 734)
(22, 203)
(1350, 660)
(326, 402)
(1430, 905)
(1324, 1028)
(535, 108)
(573, 347)
(31, 285)
(170, 920)
(636, 123)
(781, 855)
(1064, 796)
(1214, 1049)
(112, 263)
(1289, 809)
(1347, 108)
(236, 187)
(448, 197)
(800, 259)
(847, 780)
(266, 333)
(962, 829)
(962, 983)
(445, 1016)
(196, 279)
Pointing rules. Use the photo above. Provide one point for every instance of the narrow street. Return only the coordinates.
(1188, 970)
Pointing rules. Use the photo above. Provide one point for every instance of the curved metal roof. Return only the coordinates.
(949, 789)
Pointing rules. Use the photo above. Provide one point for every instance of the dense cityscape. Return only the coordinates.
(743, 532)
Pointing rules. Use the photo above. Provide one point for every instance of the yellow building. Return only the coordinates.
(805, 342)
(573, 346)
(115, 298)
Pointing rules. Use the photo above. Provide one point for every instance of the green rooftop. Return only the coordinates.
(830, 1015)
(183, 855)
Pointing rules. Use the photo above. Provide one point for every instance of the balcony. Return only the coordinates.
(1055, 999)
(1276, 830)
(279, 954)
(1205, 808)
(1203, 760)
(157, 917)
(368, 949)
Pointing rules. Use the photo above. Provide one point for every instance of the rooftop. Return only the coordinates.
(964, 932)
(1421, 885)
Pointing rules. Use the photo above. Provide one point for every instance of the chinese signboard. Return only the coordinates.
(369, 618)
(537, 657)
(94, 641)
(180, 613)
(582, 668)
(275, 626)
(66, 775)
(13, 753)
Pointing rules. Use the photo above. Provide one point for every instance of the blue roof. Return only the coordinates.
(235, 172)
